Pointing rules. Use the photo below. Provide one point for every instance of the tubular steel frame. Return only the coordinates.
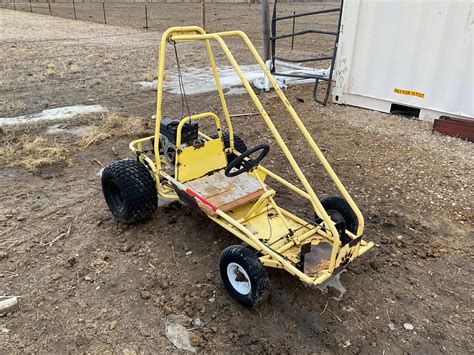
(271, 257)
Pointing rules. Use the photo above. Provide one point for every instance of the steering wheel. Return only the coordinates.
(243, 165)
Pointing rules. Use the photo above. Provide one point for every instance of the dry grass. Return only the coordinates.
(31, 152)
(149, 75)
(111, 125)
(14, 105)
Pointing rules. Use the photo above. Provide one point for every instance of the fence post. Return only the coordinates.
(146, 14)
(103, 9)
(74, 8)
(266, 29)
(293, 31)
(203, 14)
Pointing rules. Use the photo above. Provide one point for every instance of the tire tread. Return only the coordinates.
(254, 268)
(137, 187)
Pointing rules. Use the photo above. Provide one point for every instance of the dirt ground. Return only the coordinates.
(90, 284)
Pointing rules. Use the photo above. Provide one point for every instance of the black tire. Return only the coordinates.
(232, 260)
(129, 190)
(239, 144)
(338, 208)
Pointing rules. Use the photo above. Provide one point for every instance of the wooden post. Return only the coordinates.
(266, 29)
(103, 9)
(203, 14)
(146, 14)
(293, 30)
(49, 8)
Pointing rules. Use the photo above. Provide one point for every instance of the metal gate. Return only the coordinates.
(332, 57)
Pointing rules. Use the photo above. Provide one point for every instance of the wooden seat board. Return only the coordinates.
(227, 193)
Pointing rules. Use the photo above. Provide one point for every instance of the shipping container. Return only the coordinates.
(407, 56)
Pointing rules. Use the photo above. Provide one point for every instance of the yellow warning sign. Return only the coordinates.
(409, 93)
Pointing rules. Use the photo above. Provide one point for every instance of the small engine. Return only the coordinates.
(168, 130)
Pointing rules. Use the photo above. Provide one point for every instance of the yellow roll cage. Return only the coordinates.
(272, 257)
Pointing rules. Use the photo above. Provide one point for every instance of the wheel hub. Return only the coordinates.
(239, 278)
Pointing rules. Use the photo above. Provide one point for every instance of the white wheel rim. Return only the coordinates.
(239, 279)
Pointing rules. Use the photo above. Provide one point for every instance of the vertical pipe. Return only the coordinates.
(266, 29)
(74, 8)
(103, 10)
(293, 31)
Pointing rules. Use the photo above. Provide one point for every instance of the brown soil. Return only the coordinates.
(103, 286)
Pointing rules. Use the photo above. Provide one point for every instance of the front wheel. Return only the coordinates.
(129, 190)
(244, 276)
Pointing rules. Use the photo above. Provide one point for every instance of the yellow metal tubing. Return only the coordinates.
(258, 245)
(314, 200)
(300, 125)
(161, 77)
(259, 204)
(221, 95)
(197, 117)
(193, 33)
(274, 205)
(284, 182)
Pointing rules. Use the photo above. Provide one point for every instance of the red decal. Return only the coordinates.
(202, 199)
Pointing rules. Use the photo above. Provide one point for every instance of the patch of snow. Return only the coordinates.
(60, 113)
(235, 90)
(75, 131)
(152, 85)
(200, 81)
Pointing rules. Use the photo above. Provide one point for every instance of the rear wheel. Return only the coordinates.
(239, 144)
(244, 276)
(129, 190)
(340, 211)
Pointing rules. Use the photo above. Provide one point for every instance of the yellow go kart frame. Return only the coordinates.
(311, 250)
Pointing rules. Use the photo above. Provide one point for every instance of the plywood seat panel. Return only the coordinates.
(227, 193)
